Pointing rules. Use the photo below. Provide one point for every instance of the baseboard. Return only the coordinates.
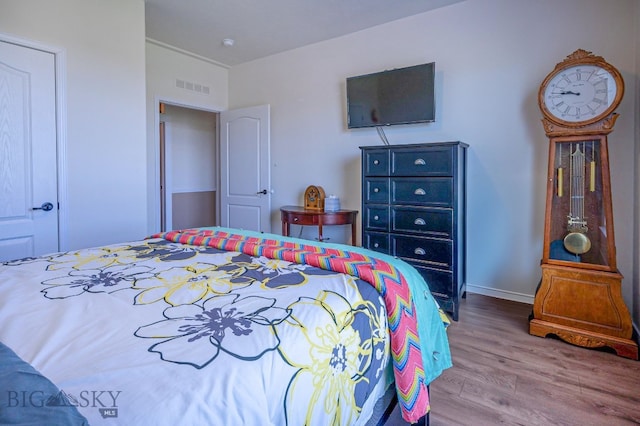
(501, 294)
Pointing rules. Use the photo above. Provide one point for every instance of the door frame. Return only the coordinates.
(154, 197)
(60, 64)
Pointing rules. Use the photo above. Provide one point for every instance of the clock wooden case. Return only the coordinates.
(579, 298)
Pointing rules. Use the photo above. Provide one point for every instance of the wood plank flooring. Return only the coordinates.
(503, 375)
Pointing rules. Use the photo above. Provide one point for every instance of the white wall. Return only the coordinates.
(491, 56)
(103, 113)
(192, 138)
(166, 65)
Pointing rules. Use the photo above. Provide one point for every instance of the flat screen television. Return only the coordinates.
(398, 96)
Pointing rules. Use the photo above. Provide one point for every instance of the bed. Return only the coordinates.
(216, 326)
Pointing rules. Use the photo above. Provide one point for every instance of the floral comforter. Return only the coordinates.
(161, 332)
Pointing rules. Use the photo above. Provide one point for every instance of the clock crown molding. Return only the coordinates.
(580, 56)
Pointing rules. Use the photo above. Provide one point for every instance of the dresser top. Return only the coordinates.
(417, 145)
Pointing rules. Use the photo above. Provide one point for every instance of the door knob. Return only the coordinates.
(263, 192)
(45, 206)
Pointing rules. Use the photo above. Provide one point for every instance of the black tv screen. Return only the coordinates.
(398, 96)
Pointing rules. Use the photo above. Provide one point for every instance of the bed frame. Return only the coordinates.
(385, 406)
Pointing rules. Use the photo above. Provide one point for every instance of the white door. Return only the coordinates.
(245, 177)
(28, 163)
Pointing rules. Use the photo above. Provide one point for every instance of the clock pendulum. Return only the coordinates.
(577, 241)
(579, 298)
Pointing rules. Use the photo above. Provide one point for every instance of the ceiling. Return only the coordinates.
(261, 28)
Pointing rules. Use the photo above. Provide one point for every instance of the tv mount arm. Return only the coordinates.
(382, 135)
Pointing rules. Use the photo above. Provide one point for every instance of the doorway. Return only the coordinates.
(188, 167)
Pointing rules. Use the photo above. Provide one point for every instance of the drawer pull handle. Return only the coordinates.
(376, 189)
(295, 219)
(376, 245)
(376, 217)
(419, 221)
(376, 162)
(419, 251)
(419, 162)
(420, 191)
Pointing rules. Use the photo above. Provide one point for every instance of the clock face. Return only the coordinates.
(580, 94)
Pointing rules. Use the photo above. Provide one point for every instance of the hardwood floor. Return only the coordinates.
(503, 375)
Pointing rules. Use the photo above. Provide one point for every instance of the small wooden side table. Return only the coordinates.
(298, 215)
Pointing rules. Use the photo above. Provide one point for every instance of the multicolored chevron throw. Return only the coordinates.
(388, 280)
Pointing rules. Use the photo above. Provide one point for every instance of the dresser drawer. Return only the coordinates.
(424, 161)
(440, 282)
(297, 218)
(376, 217)
(436, 192)
(429, 251)
(376, 241)
(376, 162)
(429, 221)
(376, 190)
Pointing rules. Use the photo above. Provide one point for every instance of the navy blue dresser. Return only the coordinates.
(413, 204)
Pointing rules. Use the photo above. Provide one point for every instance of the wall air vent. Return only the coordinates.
(193, 87)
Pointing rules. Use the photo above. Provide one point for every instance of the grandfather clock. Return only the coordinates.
(579, 298)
